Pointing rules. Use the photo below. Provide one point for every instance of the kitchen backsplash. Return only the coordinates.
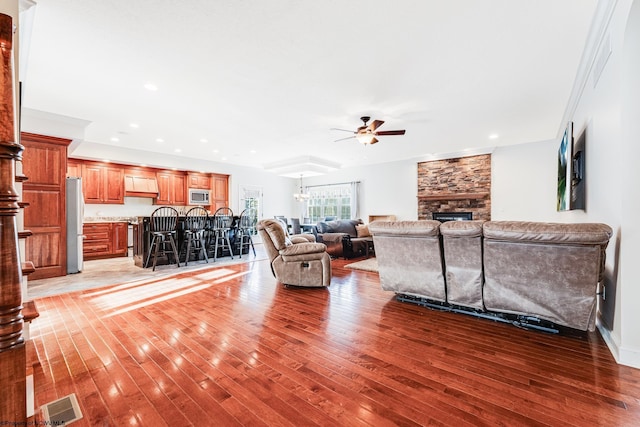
(133, 207)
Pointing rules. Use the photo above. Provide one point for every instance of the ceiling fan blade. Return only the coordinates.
(342, 139)
(343, 130)
(373, 141)
(390, 132)
(375, 125)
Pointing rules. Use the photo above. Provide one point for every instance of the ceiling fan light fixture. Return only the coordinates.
(365, 138)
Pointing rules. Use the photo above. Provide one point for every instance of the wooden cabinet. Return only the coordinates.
(104, 239)
(97, 242)
(119, 238)
(172, 189)
(45, 163)
(199, 180)
(220, 191)
(102, 183)
(74, 169)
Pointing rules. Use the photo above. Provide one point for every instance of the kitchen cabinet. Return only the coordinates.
(140, 182)
(199, 181)
(172, 189)
(119, 238)
(45, 163)
(220, 193)
(74, 169)
(102, 183)
(104, 239)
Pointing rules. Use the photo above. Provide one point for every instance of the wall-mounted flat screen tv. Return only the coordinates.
(564, 169)
(571, 171)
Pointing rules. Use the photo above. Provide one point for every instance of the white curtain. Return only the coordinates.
(355, 197)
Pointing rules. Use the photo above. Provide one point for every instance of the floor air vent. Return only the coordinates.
(62, 411)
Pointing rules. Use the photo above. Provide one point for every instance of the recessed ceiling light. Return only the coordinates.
(178, 150)
(204, 140)
(159, 140)
(134, 125)
(224, 158)
(494, 136)
(114, 139)
(150, 86)
(215, 151)
(253, 151)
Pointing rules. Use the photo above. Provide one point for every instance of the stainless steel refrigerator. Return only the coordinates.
(75, 213)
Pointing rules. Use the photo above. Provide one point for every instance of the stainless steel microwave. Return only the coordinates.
(198, 197)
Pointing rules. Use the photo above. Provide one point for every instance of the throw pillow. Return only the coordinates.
(363, 230)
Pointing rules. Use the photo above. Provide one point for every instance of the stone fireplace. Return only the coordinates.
(455, 185)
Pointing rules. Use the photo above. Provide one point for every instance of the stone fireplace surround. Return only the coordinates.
(460, 184)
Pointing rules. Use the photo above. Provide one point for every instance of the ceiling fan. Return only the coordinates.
(366, 134)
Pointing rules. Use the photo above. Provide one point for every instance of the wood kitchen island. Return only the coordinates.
(142, 242)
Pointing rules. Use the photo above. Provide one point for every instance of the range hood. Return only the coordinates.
(140, 186)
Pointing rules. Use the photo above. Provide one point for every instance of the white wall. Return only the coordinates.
(629, 296)
(385, 189)
(524, 182)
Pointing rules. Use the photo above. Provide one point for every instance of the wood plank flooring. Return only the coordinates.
(229, 346)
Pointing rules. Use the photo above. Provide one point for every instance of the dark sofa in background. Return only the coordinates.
(346, 238)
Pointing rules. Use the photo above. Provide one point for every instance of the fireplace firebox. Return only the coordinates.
(452, 216)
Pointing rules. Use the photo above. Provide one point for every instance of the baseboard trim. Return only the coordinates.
(622, 355)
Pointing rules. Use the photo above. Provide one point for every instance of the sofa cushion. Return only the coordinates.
(545, 232)
(347, 226)
(461, 228)
(403, 228)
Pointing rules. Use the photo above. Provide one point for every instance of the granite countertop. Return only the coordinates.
(129, 219)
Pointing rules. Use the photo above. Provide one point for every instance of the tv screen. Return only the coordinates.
(564, 169)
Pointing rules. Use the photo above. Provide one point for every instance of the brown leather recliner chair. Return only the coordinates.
(296, 260)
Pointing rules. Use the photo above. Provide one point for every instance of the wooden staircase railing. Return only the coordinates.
(12, 345)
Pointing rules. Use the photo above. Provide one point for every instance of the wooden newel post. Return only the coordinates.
(12, 349)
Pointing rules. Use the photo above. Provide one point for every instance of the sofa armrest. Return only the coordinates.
(333, 242)
(302, 238)
(303, 248)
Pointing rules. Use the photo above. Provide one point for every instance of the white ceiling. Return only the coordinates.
(264, 81)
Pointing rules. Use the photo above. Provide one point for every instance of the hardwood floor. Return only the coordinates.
(230, 346)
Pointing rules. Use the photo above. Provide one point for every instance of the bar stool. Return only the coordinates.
(163, 226)
(246, 227)
(222, 223)
(195, 222)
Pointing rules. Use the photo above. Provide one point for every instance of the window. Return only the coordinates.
(251, 197)
(336, 200)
